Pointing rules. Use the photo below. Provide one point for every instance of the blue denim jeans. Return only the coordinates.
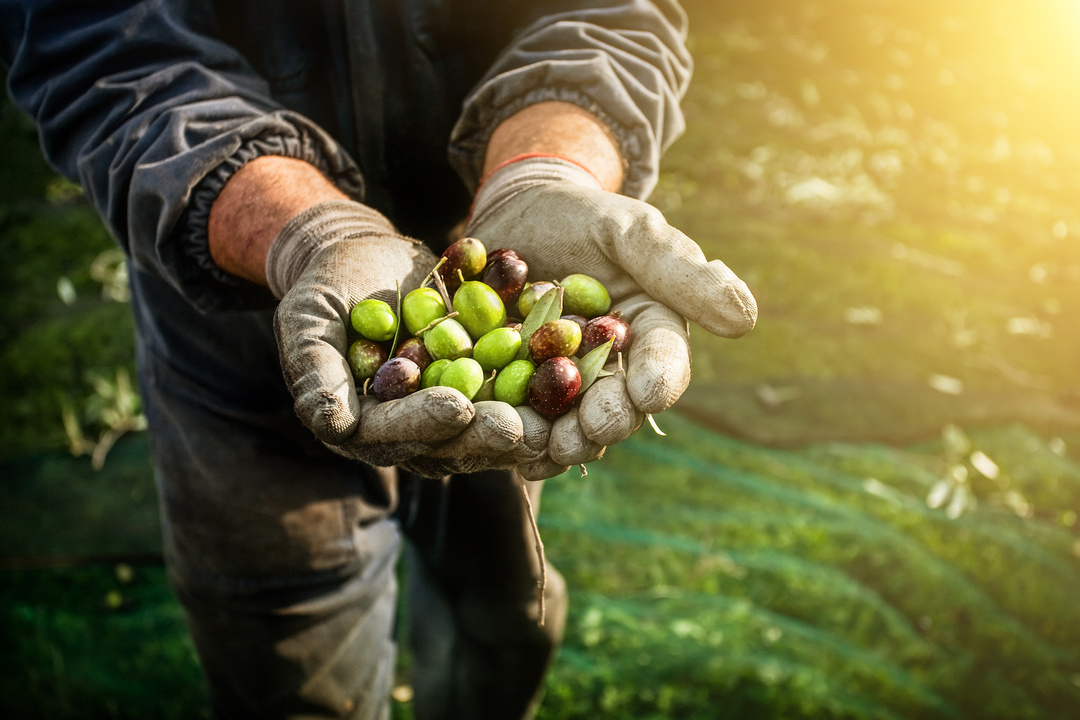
(284, 555)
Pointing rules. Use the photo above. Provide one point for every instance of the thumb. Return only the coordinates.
(671, 268)
(311, 341)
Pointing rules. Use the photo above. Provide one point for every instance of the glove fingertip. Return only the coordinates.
(536, 428)
(569, 444)
(658, 371)
(542, 469)
(607, 413)
(328, 417)
(732, 308)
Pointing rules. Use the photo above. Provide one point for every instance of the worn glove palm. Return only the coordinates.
(558, 217)
(322, 263)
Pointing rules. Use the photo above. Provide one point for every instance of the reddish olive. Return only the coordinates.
(554, 387)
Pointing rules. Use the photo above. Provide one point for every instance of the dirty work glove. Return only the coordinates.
(560, 219)
(322, 263)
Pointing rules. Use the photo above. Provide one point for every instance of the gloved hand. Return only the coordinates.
(322, 263)
(560, 219)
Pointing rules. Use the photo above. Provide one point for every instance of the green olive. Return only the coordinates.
(497, 348)
(512, 382)
(433, 373)
(420, 308)
(480, 309)
(374, 319)
(464, 375)
(584, 295)
(448, 340)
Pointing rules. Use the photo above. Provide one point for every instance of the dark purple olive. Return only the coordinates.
(414, 349)
(601, 329)
(506, 275)
(467, 255)
(558, 338)
(396, 378)
(501, 253)
(554, 387)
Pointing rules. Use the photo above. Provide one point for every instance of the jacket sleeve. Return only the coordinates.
(623, 60)
(136, 101)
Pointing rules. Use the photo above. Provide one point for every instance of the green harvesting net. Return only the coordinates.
(709, 578)
(712, 578)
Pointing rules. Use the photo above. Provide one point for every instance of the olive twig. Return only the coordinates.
(442, 286)
(434, 270)
(541, 586)
(436, 321)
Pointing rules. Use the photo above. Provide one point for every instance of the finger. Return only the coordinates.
(569, 445)
(607, 414)
(542, 469)
(533, 445)
(312, 343)
(394, 431)
(672, 268)
(495, 432)
(536, 434)
(658, 361)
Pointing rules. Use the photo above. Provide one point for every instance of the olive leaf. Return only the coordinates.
(397, 320)
(593, 362)
(546, 309)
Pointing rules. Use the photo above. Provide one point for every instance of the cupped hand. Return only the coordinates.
(331, 258)
(658, 279)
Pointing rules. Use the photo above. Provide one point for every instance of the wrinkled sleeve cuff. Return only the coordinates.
(632, 80)
(200, 279)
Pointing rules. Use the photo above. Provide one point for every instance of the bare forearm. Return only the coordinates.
(560, 129)
(255, 204)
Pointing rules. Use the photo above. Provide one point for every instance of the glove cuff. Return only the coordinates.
(525, 172)
(312, 231)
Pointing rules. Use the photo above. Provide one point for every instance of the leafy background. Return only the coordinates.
(864, 509)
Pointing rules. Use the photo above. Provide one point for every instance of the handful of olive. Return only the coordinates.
(488, 332)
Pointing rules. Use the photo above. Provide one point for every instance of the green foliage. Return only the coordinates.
(54, 347)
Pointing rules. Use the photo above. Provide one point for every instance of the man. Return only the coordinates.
(265, 166)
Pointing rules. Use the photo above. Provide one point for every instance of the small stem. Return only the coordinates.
(434, 270)
(542, 585)
(433, 323)
(442, 286)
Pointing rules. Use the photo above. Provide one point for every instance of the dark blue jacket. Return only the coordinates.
(151, 105)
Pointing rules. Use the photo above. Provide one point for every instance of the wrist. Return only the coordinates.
(253, 207)
(561, 129)
(521, 173)
(312, 231)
